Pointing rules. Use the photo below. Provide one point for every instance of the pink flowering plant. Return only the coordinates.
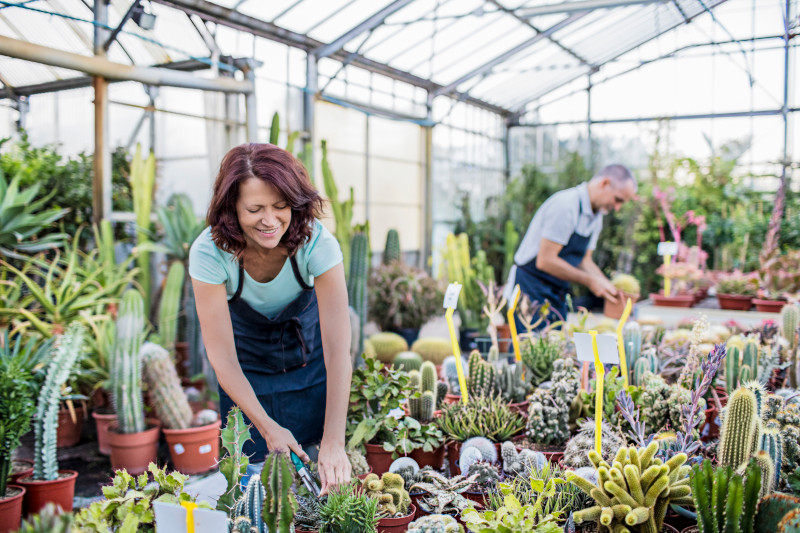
(738, 283)
(779, 275)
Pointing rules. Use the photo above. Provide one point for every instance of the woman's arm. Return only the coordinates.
(334, 318)
(215, 325)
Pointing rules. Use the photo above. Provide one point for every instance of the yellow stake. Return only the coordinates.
(462, 383)
(600, 371)
(623, 360)
(667, 279)
(190, 507)
(512, 324)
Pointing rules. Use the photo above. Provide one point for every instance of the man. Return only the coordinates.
(557, 248)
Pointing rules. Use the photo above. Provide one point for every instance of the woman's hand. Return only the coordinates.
(280, 439)
(334, 466)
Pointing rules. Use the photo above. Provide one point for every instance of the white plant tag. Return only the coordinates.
(210, 521)
(514, 295)
(178, 449)
(205, 448)
(170, 518)
(451, 296)
(668, 248)
(606, 348)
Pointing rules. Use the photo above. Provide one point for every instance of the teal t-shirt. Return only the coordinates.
(209, 264)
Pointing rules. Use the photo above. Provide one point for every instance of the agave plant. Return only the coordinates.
(444, 494)
(181, 226)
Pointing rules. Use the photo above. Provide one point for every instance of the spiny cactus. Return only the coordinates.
(241, 524)
(67, 349)
(404, 462)
(428, 375)
(279, 501)
(578, 447)
(510, 384)
(358, 462)
(538, 356)
(250, 505)
(484, 445)
(357, 280)
(517, 463)
(790, 329)
(635, 492)
(632, 339)
(482, 376)
(391, 252)
(433, 349)
(645, 363)
(169, 307)
(422, 408)
(723, 499)
(767, 469)
(169, 398)
(741, 364)
(652, 402)
(772, 509)
(407, 360)
(741, 429)
(389, 490)
(772, 445)
(548, 412)
(386, 345)
(451, 373)
(468, 457)
(435, 523)
(486, 474)
(234, 465)
(125, 363)
(441, 392)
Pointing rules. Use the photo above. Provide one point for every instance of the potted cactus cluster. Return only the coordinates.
(628, 287)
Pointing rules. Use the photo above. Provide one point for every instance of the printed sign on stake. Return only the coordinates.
(667, 248)
(451, 296)
(450, 303)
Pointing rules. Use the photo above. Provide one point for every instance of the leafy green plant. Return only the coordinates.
(348, 510)
(738, 283)
(17, 403)
(614, 384)
(402, 296)
(410, 435)
(514, 517)
(565, 499)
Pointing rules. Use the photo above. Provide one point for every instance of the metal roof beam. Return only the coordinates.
(486, 67)
(365, 26)
(582, 5)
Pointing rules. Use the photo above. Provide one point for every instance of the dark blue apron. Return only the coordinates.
(541, 286)
(282, 359)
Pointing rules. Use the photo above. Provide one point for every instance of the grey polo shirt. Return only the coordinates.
(566, 212)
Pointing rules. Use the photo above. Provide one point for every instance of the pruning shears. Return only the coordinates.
(305, 475)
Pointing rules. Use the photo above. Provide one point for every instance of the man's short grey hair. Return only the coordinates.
(618, 174)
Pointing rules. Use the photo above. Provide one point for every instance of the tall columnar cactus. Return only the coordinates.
(169, 398)
(632, 339)
(429, 377)
(644, 364)
(741, 429)
(725, 501)
(67, 350)
(635, 492)
(250, 505)
(357, 281)
(126, 372)
(772, 444)
(143, 177)
(482, 376)
(422, 408)
(169, 308)
(548, 413)
(790, 329)
(279, 501)
(510, 383)
(767, 468)
(510, 242)
(391, 251)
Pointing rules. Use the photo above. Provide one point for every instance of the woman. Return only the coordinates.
(272, 302)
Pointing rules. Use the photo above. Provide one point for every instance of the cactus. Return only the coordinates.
(66, 351)
(772, 509)
(741, 364)
(484, 445)
(404, 462)
(250, 505)
(279, 501)
(767, 469)
(429, 377)
(451, 373)
(627, 284)
(234, 465)
(357, 281)
(790, 322)
(467, 457)
(723, 499)
(390, 492)
(741, 429)
(772, 445)
(652, 402)
(342, 210)
(241, 524)
(538, 356)
(486, 474)
(125, 364)
(433, 349)
(162, 380)
(578, 447)
(510, 243)
(358, 462)
(50, 519)
(169, 307)
(518, 463)
(635, 492)
(435, 523)
(645, 364)
(391, 252)
(407, 360)
(548, 412)
(510, 384)
(387, 345)
(441, 392)
(422, 408)
(482, 376)
(632, 340)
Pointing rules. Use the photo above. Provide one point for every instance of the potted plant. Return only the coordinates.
(348, 510)
(394, 503)
(628, 287)
(512, 387)
(402, 298)
(683, 274)
(495, 301)
(48, 483)
(193, 440)
(307, 518)
(513, 516)
(134, 444)
(778, 277)
(735, 291)
(549, 411)
(444, 495)
(427, 441)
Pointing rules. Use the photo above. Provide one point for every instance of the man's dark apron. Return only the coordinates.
(541, 286)
(282, 359)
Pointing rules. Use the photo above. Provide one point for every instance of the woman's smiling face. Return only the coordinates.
(264, 214)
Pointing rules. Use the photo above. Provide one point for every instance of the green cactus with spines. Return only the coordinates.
(632, 340)
(357, 281)
(644, 364)
(241, 524)
(169, 307)
(421, 408)
(548, 412)
(725, 501)
(487, 474)
(767, 468)
(391, 252)
(482, 376)
(634, 492)
(429, 377)
(387, 345)
(510, 383)
(510, 242)
(441, 392)
(125, 363)
(67, 349)
(741, 429)
(251, 504)
(390, 492)
(654, 407)
(414, 379)
(279, 501)
(772, 444)
(433, 349)
(750, 354)
(772, 510)
(164, 385)
(408, 360)
(234, 464)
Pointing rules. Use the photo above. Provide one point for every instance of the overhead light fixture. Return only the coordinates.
(143, 18)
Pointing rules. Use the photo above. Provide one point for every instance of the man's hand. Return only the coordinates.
(333, 465)
(603, 288)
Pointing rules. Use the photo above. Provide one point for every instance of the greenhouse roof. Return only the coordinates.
(498, 54)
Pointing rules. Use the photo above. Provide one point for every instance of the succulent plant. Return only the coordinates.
(435, 523)
(725, 501)
(486, 448)
(518, 462)
(434, 349)
(510, 383)
(578, 447)
(387, 345)
(481, 417)
(468, 456)
(627, 284)
(307, 515)
(487, 474)
(358, 463)
(393, 499)
(549, 409)
(538, 357)
(482, 376)
(444, 494)
(348, 510)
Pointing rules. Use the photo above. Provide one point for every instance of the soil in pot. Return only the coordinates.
(60, 491)
(134, 451)
(20, 468)
(679, 300)
(397, 525)
(378, 459)
(102, 418)
(735, 302)
(194, 450)
(11, 508)
(769, 306)
(614, 310)
(69, 430)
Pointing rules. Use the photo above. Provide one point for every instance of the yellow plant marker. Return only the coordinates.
(600, 371)
(623, 359)
(190, 507)
(450, 303)
(667, 279)
(512, 324)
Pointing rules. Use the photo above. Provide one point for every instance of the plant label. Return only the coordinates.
(169, 517)
(606, 348)
(210, 521)
(668, 248)
(451, 296)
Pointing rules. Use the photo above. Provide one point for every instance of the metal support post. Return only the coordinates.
(428, 240)
(589, 147)
(309, 97)
(785, 108)
(366, 169)
(101, 186)
(251, 116)
(507, 152)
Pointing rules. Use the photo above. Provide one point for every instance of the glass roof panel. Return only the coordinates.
(342, 21)
(309, 13)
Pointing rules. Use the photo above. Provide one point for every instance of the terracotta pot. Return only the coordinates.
(478, 497)
(69, 431)
(504, 338)
(434, 458)
(102, 418)
(396, 525)
(194, 450)
(362, 476)
(735, 302)
(452, 398)
(453, 449)
(521, 407)
(60, 491)
(554, 457)
(378, 459)
(769, 306)
(700, 294)
(415, 498)
(134, 451)
(680, 300)
(11, 508)
(20, 468)
(614, 310)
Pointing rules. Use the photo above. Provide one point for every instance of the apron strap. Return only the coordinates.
(238, 292)
(305, 286)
